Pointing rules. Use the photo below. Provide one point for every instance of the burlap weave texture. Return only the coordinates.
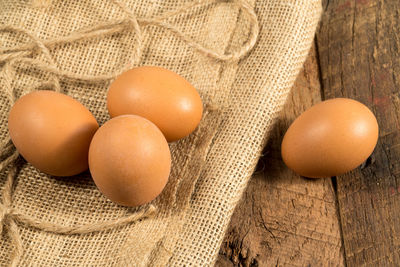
(210, 168)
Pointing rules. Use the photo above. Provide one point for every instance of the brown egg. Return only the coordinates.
(129, 160)
(52, 131)
(331, 138)
(159, 95)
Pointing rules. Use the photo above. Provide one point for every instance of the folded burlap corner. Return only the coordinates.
(77, 47)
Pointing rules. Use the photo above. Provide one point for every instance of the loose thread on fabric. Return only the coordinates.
(22, 55)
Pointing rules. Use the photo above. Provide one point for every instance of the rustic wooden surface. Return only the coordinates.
(353, 220)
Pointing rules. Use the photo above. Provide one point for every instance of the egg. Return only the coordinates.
(159, 95)
(52, 131)
(331, 138)
(129, 160)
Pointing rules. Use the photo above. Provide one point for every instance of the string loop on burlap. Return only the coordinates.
(27, 54)
(21, 53)
(10, 218)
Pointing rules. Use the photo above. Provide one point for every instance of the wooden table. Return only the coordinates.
(354, 219)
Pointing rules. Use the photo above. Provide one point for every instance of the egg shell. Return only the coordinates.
(52, 131)
(159, 95)
(331, 138)
(129, 160)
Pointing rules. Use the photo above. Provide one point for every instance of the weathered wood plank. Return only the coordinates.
(358, 44)
(283, 219)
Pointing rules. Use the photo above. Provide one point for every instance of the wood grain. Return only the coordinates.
(358, 44)
(283, 219)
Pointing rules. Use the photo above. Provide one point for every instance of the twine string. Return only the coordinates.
(39, 44)
(138, 33)
(23, 55)
(11, 218)
(6, 220)
(108, 28)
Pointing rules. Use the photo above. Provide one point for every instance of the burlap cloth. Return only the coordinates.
(77, 47)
